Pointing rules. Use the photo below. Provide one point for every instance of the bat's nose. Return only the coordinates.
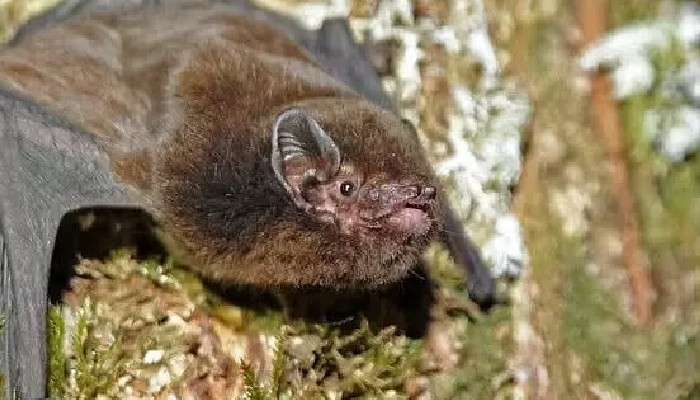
(428, 192)
(409, 191)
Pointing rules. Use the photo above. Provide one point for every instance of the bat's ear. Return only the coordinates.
(302, 153)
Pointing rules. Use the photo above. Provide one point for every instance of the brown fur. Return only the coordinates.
(110, 73)
(186, 110)
(224, 203)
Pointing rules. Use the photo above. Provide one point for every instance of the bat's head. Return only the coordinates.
(331, 192)
(330, 187)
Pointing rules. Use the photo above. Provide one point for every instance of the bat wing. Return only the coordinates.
(47, 168)
(342, 58)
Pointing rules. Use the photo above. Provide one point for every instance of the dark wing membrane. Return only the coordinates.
(342, 58)
(47, 168)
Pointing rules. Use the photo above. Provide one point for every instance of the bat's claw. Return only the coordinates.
(482, 288)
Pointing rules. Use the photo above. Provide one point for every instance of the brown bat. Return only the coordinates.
(267, 156)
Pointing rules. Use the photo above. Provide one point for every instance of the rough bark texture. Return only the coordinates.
(592, 16)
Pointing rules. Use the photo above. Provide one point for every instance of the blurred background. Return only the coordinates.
(568, 132)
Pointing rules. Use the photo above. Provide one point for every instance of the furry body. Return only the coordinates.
(174, 108)
(185, 113)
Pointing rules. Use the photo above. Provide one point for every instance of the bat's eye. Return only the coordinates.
(346, 188)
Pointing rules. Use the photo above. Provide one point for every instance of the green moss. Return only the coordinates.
(57, 358)
(668, 196)
(485, 341)
(279, 364)
(624, 11)
(485, 350)
(314, 361)
(268, 321)
(310, 360)
(98, 365)
(254, 389)
(324, 362)
(590, 340)
(636, 363)
(597, 336)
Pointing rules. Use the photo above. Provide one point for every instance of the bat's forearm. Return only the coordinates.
(480, 283)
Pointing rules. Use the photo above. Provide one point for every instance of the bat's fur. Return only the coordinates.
(226, 204)
(186, 111)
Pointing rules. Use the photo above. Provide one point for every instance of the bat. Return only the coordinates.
(267, 153)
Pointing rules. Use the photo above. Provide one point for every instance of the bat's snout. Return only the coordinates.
(428, 192)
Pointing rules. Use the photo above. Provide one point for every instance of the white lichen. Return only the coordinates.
(626, 47)
(629, 53)
(677, 136)
(689, 80)
(469, 19)
(484, 133)
(153, 356)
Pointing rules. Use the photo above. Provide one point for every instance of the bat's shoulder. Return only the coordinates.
(76, 70)
(116, 74)
(110, 72)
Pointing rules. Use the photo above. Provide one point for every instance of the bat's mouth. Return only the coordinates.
(425, 207)
(383, 217)
(388, 199)
(414, 219)
(410, 217)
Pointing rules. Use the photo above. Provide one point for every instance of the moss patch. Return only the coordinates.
(169, 335)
